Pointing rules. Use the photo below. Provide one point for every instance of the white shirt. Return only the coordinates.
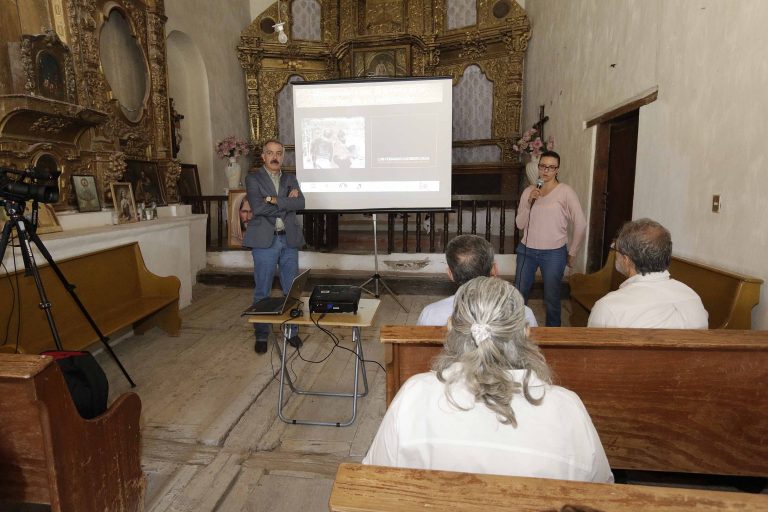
(439, 312)
(556, 439)
(652, 300)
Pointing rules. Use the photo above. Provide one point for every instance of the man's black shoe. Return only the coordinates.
(295, 341)
(261, 346)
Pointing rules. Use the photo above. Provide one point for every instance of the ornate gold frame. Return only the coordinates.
(497, 46)
(86, 130)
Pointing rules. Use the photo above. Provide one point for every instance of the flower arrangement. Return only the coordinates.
(232, 147)
(531, 144)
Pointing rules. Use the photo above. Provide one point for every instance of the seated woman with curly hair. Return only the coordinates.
(489, 405)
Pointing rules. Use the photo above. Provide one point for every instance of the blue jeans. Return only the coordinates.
(264, 263)
(552, 263)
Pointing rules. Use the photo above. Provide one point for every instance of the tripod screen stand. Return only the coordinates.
(26, 235)
(376, 279)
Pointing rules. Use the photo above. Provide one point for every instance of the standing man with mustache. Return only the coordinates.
(273, 233)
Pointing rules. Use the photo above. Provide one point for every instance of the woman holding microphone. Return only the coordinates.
(544, 214)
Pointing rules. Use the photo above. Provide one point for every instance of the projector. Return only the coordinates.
(331, 298)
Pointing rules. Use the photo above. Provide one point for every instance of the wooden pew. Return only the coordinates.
(684, 401)
(113, 284)
(728, 297)
(50, 455)
(359, 488)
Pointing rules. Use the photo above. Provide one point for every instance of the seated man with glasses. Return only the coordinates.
(468, 257)
(649, 298)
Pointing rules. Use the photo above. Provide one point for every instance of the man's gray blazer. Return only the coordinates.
(261, 228)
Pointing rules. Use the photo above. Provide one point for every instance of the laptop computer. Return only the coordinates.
(279, 305)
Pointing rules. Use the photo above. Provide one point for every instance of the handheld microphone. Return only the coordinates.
(539, 184)
(289, 190)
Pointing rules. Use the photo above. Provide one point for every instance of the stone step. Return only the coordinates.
(400, 283)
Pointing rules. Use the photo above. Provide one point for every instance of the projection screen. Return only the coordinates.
(374, 144)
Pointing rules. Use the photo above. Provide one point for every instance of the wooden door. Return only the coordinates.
(613, 184)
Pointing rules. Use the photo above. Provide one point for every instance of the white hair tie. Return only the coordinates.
(480, 333)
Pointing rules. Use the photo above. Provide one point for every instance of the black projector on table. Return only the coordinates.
(332, 298)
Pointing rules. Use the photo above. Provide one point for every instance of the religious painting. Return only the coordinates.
(50, 76)
(381, 62)
(47, 222)
(125, 206)
(189, 181)
(86, 194)
(239, 212)
(144, 178)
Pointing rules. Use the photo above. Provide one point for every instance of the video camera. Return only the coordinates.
(38, 188)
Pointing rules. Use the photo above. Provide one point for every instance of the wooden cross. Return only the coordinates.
(539, 126)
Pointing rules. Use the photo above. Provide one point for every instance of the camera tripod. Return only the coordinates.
(26, 235)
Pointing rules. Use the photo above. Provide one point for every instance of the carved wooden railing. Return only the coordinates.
(417, 231)
(215, 208)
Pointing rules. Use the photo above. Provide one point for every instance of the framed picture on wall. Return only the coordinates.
(85, 192)
(50, 76)
(144, 178)
(384, 62)
(238, 214)
(189, 181)
(125, 206)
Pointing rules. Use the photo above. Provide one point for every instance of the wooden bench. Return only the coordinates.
(359, 488)
(727, 297)
(114, 285)
(689, 401)
(50, 455)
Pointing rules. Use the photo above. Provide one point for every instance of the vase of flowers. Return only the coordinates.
(231, 148)
(531, 146)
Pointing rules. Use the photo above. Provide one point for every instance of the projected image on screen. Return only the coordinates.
(374, 144)
(333, 143)
(411, 141)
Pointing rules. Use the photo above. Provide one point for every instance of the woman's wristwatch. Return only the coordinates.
(268, 199)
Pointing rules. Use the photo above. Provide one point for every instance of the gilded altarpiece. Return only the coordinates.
(59, 102)
(398, 38)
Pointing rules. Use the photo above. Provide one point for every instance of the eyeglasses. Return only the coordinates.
(613, 246)
(548, 168)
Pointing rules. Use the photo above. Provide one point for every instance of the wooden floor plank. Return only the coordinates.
(276, 493)
(209, 485)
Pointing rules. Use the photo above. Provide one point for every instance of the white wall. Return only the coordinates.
(188, 86)
(258, 6)
(213, 28)
(705, 133)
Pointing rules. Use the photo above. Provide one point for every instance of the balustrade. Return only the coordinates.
(324, 231)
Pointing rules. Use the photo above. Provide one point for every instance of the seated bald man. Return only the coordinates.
(649, 298)
(468, 257)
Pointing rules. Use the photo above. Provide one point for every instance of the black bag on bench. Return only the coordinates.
(85, 379)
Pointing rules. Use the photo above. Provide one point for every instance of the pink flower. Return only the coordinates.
(530, 143)
(232, 146)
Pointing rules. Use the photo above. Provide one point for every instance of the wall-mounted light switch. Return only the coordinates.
(716, 204)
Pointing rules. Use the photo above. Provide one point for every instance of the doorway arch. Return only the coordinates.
(188, 86)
